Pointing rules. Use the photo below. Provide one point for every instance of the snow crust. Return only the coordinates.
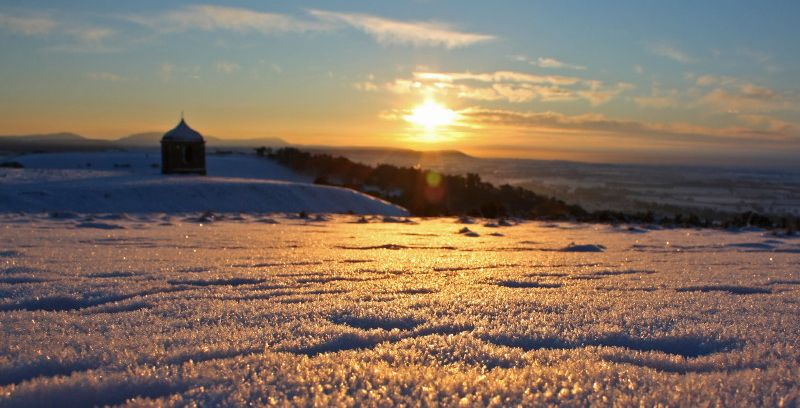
(131, 182)
(175, 310)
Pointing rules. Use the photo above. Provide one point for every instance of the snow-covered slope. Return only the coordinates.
(147, 162)
(131, 182)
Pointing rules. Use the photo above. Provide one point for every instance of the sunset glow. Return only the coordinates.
(431, 115)
(405, 74)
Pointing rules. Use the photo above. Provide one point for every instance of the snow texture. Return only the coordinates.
(230, 310)
(130, 182)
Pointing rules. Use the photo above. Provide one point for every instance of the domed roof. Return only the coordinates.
(182, 133)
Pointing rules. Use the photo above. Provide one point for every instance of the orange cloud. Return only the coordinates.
(512, 86)
(600, 124)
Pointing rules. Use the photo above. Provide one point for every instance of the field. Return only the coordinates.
(342, 310)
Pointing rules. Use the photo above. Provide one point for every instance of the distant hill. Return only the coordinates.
(254, 142)
(71, 142)
(140, 139)
(52, 142)
(63, 137)
(399, 157)
(388, 151)
(152, 139)
(65, 141)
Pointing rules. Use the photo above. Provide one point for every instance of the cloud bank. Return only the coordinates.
(510, 86)
(762, 129)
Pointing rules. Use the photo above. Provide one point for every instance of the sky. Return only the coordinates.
(612, 81)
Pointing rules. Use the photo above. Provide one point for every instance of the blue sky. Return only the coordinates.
(603, 81)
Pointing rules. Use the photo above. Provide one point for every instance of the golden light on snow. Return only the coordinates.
(476, 307)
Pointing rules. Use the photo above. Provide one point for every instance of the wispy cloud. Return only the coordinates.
(719, 80)
(771, 124)
(600, 93)
(554, 63)
(746, 98)
(213, 18)
(86, 39)
(389, 31)
(669, 51)
(243, 20)
(547, 62)
(27, 25)
(730, 94)
(497, 76)
(68, 36)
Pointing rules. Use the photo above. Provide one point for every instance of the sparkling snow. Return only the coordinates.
(337, 310)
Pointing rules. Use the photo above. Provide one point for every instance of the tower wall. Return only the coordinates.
(179, 157)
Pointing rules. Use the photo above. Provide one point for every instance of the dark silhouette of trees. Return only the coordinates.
(422, 192)
(426, 193)
(263, 151)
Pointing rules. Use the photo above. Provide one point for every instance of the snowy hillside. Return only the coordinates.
(171, 311)
(113, 182)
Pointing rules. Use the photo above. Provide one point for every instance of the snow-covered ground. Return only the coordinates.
(137, 309)
(131, 182)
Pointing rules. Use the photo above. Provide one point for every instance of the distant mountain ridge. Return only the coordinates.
(154, 138)
(50, 142)
(399, 157)
(61, 137)
(67, 141)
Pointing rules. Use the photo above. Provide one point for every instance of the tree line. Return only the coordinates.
(427, 193)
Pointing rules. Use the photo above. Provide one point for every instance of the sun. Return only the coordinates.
(431, 115)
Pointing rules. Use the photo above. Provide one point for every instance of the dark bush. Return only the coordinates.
(12, 165)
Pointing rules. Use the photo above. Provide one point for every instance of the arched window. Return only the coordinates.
(187, 154)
